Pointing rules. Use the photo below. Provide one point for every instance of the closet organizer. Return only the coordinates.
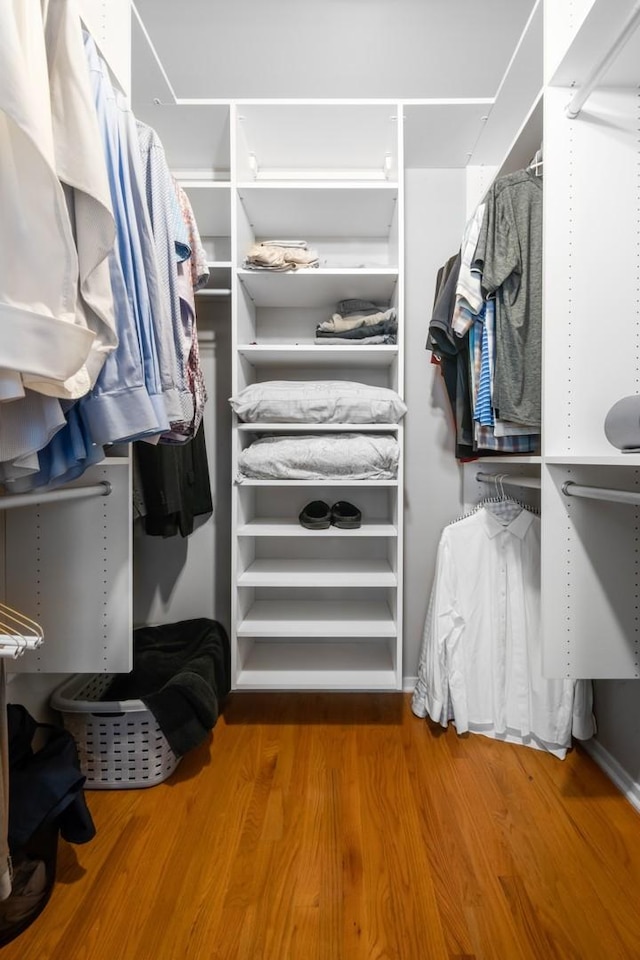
(325, 609)
(308, 609)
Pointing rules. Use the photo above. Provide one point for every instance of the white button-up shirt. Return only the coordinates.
(41, 332)
(480, 663)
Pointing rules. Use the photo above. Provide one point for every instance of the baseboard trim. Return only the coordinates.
(629, 788)
(408, 684)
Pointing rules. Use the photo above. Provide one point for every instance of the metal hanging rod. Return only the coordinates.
(579, 99)
(101, 489)
(509, 480)
(571, 489)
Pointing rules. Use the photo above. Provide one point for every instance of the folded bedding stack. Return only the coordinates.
(359, 322)
(321, 456)
(279, 256)
(345, 456)
(317, 401)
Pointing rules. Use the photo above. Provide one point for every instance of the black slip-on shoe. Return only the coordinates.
(345, 515)
(316, 515)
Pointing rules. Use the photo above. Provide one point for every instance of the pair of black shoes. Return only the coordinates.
(318, 515)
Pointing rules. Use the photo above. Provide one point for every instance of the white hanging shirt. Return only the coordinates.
(41, 333)
(480, 663)
(81, 168)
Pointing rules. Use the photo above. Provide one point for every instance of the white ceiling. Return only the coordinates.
(404, 49)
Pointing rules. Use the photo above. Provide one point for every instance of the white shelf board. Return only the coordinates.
(305, 572)
(317, 618)
(274, 527)
(114, 462)
(318, 427)
(484, 462)
(320, 210)
(443, 135)
(317, 665)
(318, 288)
(194, 183)
(615, 460)
(313, 186)
(518, 92)
(527, 140)
(593, 40)
(328, 482)
(219, 275)
(311, 355)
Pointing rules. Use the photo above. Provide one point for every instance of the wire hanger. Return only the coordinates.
(504, 506)
(536, 165)
(501, 505)
(18, 633)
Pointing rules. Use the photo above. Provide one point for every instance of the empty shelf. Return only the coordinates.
(311, 355)
(312, 665)
(318, 288)
(334, 210)
(318, 618)
(303, 572)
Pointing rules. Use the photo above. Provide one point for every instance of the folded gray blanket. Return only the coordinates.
(182, 673)
(383, 328)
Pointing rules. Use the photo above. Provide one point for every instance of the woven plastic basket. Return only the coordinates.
(120, 744)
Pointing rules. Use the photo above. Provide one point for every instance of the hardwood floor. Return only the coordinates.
(341, 827)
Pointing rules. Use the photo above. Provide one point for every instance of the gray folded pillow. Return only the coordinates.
(317, 401)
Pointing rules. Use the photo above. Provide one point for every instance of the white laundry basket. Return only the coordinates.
(120, 744)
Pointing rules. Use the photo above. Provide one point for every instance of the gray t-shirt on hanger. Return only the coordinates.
(509, 255)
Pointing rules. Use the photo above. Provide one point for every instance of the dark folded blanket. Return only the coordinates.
(182, 673)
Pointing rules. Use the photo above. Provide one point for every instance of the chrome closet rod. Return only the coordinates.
(509, 480)
(571, 489)
(580, 97)
(102, 489)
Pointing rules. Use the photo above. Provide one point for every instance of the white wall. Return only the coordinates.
(434, 219)
(617, 710)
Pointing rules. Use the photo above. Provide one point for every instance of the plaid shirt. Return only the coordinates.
(481, 354)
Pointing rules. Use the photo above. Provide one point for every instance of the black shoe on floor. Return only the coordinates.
(345, 515)
(315, 516)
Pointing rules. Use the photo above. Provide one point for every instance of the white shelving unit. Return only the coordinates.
(316, 609)
(590, 558)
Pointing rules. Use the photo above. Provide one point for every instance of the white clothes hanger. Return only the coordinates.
(18, 633)
(536, 165)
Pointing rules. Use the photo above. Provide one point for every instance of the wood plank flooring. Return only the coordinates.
(341, 827)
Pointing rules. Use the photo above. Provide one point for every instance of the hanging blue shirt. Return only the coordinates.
(126, 402)
(171, 241)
